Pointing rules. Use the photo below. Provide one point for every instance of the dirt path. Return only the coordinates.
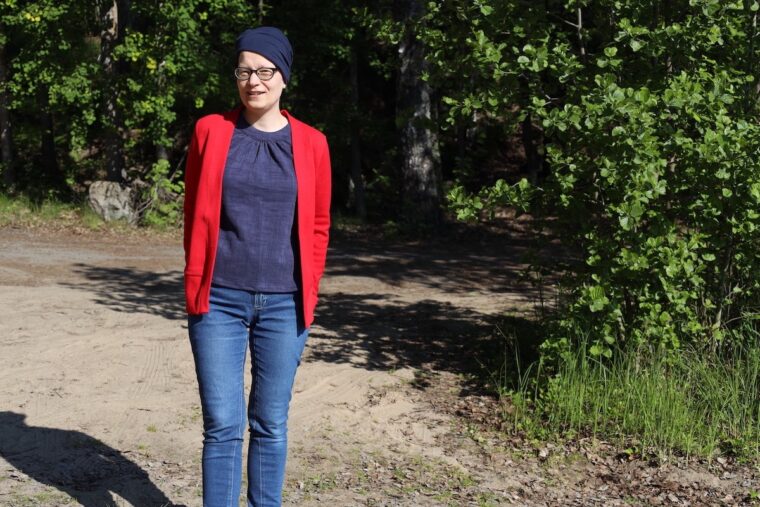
(99, 406)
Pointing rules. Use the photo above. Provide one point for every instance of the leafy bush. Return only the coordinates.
(653, 143)
(161, 203)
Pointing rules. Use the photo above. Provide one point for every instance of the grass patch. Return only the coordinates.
(697, 403)
(40, 498)
(22, 211)
(320, 482)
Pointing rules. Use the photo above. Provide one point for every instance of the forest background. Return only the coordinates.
(627, 130)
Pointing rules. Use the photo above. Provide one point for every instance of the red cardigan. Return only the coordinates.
(203, 200)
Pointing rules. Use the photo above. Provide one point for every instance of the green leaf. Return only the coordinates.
(642, 95)
(486, 10)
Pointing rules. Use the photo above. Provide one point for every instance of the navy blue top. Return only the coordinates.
(257, 239)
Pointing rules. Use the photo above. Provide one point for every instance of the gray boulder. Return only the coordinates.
(112, 201)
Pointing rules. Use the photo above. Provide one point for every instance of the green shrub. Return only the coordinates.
(161, 201)
(653, 141)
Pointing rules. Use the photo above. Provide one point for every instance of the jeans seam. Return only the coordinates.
(256, 443)
(232, 478)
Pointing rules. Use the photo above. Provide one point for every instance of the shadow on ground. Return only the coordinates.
(133, 290)
(369, 327)
(75, 463)
(372, 332)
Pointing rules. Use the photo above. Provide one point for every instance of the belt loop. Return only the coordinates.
(259, 300)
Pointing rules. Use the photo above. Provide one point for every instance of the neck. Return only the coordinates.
(268, 121)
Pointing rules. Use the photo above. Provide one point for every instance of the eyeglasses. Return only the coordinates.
(263, 73)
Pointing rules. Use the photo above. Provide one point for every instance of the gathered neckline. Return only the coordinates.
(282, 134)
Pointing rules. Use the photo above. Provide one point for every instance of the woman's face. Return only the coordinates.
(259, 96)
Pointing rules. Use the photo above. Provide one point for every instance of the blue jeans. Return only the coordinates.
(272, 325)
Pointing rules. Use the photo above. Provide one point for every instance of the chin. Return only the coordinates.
(256, 107)
(259, 108)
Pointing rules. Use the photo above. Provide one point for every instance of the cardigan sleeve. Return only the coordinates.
(192, 178)
(322, 192)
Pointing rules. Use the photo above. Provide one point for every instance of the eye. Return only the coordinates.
(242, 73)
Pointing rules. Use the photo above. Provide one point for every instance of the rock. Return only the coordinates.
(111, 201)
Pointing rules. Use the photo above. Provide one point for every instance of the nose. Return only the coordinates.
(255, 77)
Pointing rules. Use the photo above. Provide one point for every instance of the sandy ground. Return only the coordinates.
(98, 397)
(99, 404)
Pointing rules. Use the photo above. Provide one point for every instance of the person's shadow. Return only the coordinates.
(77, 464)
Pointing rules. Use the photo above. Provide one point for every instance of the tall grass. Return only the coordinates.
(696, 403)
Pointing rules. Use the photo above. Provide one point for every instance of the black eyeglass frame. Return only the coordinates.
(251, 72)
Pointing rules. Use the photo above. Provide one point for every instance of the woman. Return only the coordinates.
(257, 215)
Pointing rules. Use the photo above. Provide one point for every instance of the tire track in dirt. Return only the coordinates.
(152, 374)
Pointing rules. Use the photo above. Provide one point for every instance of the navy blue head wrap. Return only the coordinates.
(270, 43)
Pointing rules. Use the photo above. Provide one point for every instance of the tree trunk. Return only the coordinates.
(419, 137)
(466, 136)
(357, 182)
(114, 153)
(49, 158)
(531, 138)
(6, 134)
(161, 152)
